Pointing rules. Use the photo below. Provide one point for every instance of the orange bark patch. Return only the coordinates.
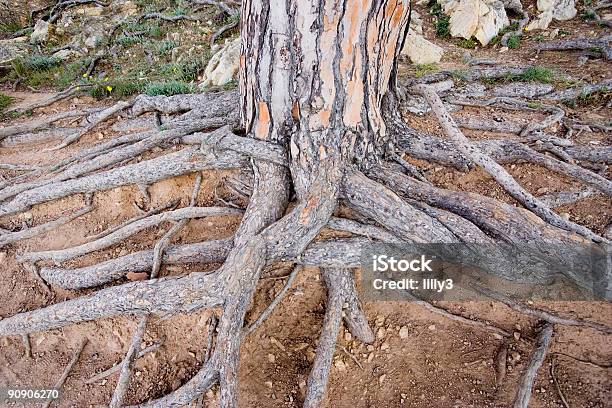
(263, 121)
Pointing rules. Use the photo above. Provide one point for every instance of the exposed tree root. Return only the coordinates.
(340, 288)
(544, 315)
(26, 233)
(458, 318)
(99, 118)
(497, 171)
(589, 44)
(102, 375)
(61, 255)
(537, 358)
(60, 382)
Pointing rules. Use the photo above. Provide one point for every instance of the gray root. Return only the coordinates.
(338, 283)
(11, 237)
(102, 375)
(458, 318)
(500, 175)
(523, 393)
(268, 311)
(60, 382)
(185, 161)
(61, 255)
(544, 315)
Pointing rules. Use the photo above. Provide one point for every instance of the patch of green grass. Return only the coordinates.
(424, 69)
(537, 74)
(128, 40)
(40, 62)
(589, 15)
(514, 41)
(9, 27)
(469, 44)
(168, 88)
(534, 105)
(164, 47)
(459, 74)
(5, 101)
(233, 84)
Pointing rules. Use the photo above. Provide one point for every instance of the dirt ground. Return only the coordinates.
(439, 363)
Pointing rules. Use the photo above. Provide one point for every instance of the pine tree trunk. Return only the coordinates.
(314, 75)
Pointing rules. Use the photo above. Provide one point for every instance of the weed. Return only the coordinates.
(9, 27)
(167, 88)
(539, 38)
(589, 15)
(514, 41)
(233, 84)
(40, 62)
(128, 40)
(470, 44)
(537, 74)
(424, 69)
(5, 101)
(442, 22)
(164, 47)
(459, 74)
(534, 105)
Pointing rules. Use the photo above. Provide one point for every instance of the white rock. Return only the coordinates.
(558, 9)
(223, 65)
(421, 51)
(40, 33)
(482, 19)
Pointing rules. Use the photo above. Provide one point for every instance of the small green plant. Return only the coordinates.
(168, 88)
(514, 41)
(424, 69)
(534, 105)
(442, 23)
(9, 27)
(233, 84)
(5, 101)
(589, 15)
(459, 74)
(537, 74)
(165, 47)
(539, 38)
(128, 40)
(40, 62)
(469, 44)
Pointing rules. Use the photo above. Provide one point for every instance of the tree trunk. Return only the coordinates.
(314, 75)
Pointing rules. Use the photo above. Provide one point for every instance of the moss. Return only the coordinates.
(5, 101)
(168, 88)
(424, 69)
